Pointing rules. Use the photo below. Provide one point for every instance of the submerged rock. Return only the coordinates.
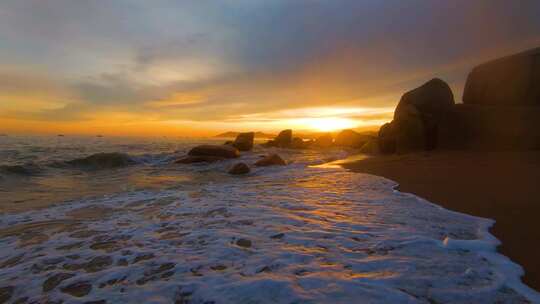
(244, 141)
(239, 169)
(271, 160)
(243, 243)
(223, 151)
(6, 293)
(53, 281)
(103, 161)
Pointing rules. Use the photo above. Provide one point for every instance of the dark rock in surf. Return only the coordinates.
(299, 143)
(243, 243)
(283, 140)
(244, 141)
(6, 293)
(23, 170)
(271, 160)
(53, 281)
(223, 151)
(239, 169)
(103, 161)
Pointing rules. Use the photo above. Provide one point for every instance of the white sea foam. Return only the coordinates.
(318, 235)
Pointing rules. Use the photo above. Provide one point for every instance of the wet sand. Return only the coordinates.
(504, 186)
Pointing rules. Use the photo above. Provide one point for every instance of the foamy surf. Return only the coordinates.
(281, 235)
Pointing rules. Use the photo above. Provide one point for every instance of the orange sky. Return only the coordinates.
(197, 68)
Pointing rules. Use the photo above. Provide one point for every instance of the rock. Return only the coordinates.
(198, 159)
(271, 160)
(143, 257)
(243, 243)
(55, 280)
(239, 169)
(479, 127)
(431, 101)
(417, 118)
(387, 139)
(78, 289)
(298, 143)
(510, 81)
(244, 141)
(350, 138)
(283, 140)
(410, 132)
(6, 293)
(371, 147)
(324, 141)
(103, 161)
(215, 151)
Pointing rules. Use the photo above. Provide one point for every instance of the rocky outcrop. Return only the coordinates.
(239, 169)
(283, 140)
(223, 151)
(416, 119)
(480, 127)
(270, 160)
(244, 141)
(508, 81)
(352, 139)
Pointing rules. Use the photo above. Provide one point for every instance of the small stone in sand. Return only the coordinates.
(243, 243)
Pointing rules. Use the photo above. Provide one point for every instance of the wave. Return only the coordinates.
(29, 169)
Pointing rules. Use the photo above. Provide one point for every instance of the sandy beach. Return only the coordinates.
(499, 185)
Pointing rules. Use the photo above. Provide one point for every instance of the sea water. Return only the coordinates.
(159, 232)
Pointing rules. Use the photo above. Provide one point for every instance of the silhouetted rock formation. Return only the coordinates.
(239, 169)
(271, 160)
(416, 119)
(283, 140)
(244, 141)
(352, 139)
(508, 81)
(224, 151)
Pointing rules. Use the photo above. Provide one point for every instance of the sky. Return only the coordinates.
(200, 67)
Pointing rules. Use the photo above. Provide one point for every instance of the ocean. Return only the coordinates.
(158, 232)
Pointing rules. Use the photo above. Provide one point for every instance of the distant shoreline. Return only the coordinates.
(499, 185)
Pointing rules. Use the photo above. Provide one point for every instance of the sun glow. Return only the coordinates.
(328, 124)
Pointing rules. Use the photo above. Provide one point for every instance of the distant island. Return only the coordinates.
(232, 134)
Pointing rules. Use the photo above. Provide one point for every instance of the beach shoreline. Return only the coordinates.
(498, 185)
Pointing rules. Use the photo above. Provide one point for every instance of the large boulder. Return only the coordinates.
(244, 141)
(350, 138)
(508, 81)
(283, 140)
(416, 119)
(239, 169)
(270, 160)
(481, 127)
(223, 151)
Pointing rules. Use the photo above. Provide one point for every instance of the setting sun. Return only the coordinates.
(329, 124)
